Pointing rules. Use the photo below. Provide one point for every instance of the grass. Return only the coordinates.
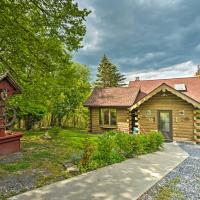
(43, 154)
(169, 191)
(47, 154)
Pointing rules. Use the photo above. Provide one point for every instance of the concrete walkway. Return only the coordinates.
(124, 181)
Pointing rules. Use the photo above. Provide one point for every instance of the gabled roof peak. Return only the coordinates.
(7, 75)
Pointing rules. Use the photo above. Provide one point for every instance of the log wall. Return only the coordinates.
(182, 115)
(197, 126)
(122, 120)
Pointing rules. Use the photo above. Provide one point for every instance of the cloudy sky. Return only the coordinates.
(146, 38)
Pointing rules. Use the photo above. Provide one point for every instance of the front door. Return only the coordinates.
(165, 123)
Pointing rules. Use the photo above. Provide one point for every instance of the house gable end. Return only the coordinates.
(164, 87)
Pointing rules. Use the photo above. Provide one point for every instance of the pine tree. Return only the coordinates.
(108, 74)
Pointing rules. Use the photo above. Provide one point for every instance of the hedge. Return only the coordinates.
(113, 147)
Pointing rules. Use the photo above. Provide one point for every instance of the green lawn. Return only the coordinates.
(47, 155)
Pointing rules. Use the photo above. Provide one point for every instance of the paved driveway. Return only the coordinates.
(124, 181)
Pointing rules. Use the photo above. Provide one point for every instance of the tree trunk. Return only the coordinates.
(28, 122)
(60, 121)
(19, 123)
(53, 120)
(74, 120)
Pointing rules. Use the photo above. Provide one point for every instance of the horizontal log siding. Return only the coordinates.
(182, 125)
(122, 120)
(95, 127)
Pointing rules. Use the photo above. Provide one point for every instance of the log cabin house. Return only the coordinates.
(168, 105)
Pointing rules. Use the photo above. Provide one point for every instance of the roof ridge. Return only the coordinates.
(127, 87)
(165, 79)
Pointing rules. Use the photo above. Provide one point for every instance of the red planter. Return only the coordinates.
(10, 144)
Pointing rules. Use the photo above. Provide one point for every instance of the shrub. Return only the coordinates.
(76, 157)
(88, 151)
(108, 151)
(156, 140)
(147, 143)
(124, 143)
(140, 144)
(113, 147)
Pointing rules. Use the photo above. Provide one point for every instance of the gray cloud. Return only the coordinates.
(140, 35)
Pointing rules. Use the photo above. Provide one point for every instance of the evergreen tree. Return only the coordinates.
(108, 74)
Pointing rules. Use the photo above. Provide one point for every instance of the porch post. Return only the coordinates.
(197, 126)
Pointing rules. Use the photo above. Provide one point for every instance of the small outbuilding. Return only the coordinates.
(9, 141)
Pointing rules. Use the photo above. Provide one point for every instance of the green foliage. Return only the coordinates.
(169, 191)
(108, 151)
(147, 143)
(54, 132)
(37, 39)
(140, 144)
(39, 153)
(69, 95)
(113, 147)
(108, 75)
(45, 158)
(125, 144)
(76, 157)
(156, 141)
(11, 167)
(88, 151)
(36, 36)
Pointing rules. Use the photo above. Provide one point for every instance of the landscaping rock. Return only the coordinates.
(70, 167)
(73, 169)
(67, 164)
(47, 136)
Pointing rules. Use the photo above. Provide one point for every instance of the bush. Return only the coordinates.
(140, 144)
(88, 152)
(124, 143)
(147, 143)
(113, 147)
(108, 151)
(76, 157)
(156, 141)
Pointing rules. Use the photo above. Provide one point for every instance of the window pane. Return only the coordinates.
(101, 117)
(113, 118)
(165, 121)
(106, 116)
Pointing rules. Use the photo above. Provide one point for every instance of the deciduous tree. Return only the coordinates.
(37, 38)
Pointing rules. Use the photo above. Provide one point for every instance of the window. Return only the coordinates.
(108, 117)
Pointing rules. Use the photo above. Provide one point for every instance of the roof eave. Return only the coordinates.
(108, 106)
(164, 86)
(12, 81)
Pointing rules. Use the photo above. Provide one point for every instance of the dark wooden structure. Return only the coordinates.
(9, 141)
